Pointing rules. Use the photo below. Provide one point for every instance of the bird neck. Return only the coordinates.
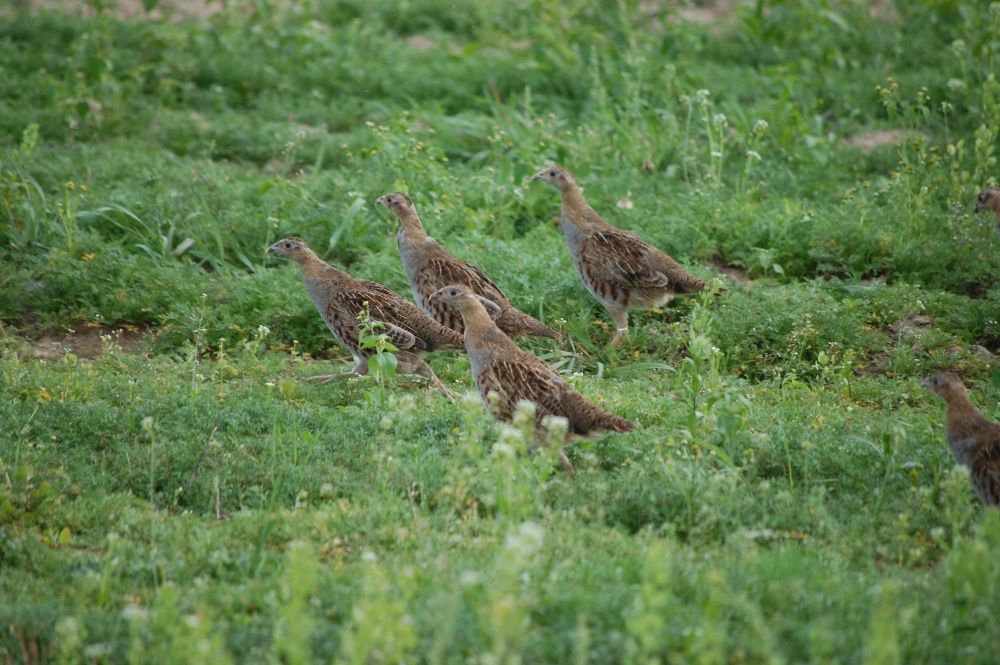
(576, 211)
(410, 226)
(311, 265)
(481, 331)
(962, 417)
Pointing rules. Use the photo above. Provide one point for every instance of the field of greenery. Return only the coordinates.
(173, 492)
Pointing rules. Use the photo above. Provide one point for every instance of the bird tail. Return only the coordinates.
(529, 325)
(613, 422)
(448, 339)
(691, 284)
(586, 419)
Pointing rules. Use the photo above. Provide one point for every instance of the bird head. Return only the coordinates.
(464, 301)
(988, 199)
(556, 176)
(292, 247)
(397, 203)
(944, 384)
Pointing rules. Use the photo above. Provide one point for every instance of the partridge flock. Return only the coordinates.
(344, 301)
(458, 306)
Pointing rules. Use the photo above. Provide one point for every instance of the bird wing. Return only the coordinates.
(515, 380)
(402, 320)
(620, 258)
(985, 471)
(628, 261)
(401, 339)
(443, 271)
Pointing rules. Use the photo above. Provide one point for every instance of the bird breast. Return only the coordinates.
(963, 448)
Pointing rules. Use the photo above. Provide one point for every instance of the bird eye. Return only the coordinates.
(552, 174)
(454, 292)
(288, 245)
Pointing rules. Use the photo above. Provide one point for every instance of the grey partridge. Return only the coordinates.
(974, 440)
(342, 299)
(500, 367)
(429, 268)
(620, 269)
(989, 199)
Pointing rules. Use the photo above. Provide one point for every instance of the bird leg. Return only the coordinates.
(620, 317)
(359, 369)
(566, 464)
(418, 366)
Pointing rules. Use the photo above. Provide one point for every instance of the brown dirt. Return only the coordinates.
(715, 14)
(84, 342)
(174, 10)
(420, 43)
(869, 141)
(737, 274)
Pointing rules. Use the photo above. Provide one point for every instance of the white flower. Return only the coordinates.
(625, 203)
(469, 578)
(760, 127)
(702, 96)
(556, 426)
(719, 120)
(503, 450)
(510, 436)
(753, 156)
(525, 542)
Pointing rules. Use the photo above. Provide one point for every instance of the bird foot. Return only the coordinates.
(443, 389)
(566, 464)
(619, 336)
(330, 378)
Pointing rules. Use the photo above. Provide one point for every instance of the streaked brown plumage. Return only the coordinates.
(500, 367)
(342, 299)
(620, 269)
(974, 440)
(429, 268)
(989, 199)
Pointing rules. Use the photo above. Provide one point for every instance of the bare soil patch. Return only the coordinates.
(868, 141)
(175, 10)
(85, 342)
(737, 274)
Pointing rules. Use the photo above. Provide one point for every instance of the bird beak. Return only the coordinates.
(381, 201)
(272, 249)
(979, 207)
(926, 383)
(537, 176)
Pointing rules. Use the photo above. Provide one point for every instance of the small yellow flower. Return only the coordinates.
(88, 256)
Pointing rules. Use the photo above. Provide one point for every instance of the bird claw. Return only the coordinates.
(330, 378)
(566, 464)
(443, 389)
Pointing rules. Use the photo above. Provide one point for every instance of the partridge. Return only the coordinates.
(429, 268)
(620, 269)
(989, 199)
(342, 299)
(500, 367)
(974, 440)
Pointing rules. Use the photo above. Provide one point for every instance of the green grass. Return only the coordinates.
(787, 495)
